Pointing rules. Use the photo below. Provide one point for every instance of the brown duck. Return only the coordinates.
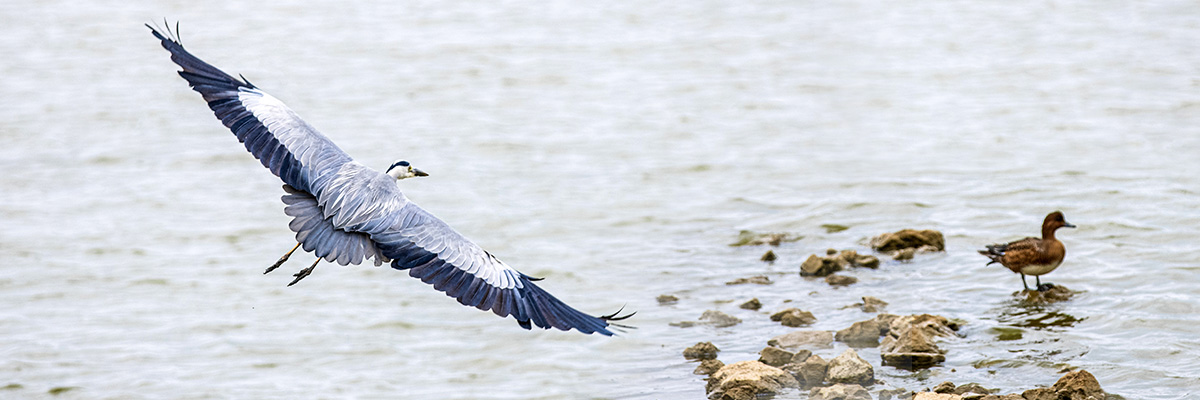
(1032, 256)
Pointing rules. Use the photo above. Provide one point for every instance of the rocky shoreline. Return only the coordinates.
(908, 342)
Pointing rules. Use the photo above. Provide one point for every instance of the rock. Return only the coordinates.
(850, 368)
(871, 262)
(885, 322)
(819, 266)
(683, 324)
(871, 304)
(944, 387)
(794, 317)
(748, 379)
(753, 304)
(719, 319)
(701, 351)
(909, 342)
(1039, 394)
(748, 238)
(774, 356)
(1055, 294)
(888, 394)
(1078, 385)
(800, 356)
(708, 367)
(809, 373)
(769, 256)
(861, 334)
(667, 299)
(936, 396)
(840, 391)
(840, 280)
(908, 239)
(760, 280)
(1013, 396)
(904, 255)
(971, 388)
(813, 339)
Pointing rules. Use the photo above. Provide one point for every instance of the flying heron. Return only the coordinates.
(345, 212)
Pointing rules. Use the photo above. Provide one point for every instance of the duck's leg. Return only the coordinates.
(1042, 287)
(282, 259)
(1026, 285)
(304, 272)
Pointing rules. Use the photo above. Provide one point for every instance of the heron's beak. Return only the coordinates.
(417, 172)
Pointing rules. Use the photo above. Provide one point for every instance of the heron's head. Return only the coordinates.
(402, 169)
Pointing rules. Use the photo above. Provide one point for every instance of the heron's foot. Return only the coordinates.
(1045, 286)
(276, 265)
(304, 273)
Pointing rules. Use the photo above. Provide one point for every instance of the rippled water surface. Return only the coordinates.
(615, 149)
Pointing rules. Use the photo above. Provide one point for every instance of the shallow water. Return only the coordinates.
(616, 150)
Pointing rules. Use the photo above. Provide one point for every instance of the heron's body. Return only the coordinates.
(1031, 255)
(348, 213)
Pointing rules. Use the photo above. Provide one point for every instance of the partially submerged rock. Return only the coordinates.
(708, 367)
(850, 368)
(701, 351)
(1055, 294)
(1078, 385)
(904, 254)
(667, 299)
(760, 280)
(840, 280)
(748, 379)
(774, 356)
(835, 261)
(819, 266)
(752, 304)
(908, 239)
(861, 333)
(748, 238)
(794, 317)
(812, 339)
(869, 304)
(910, 341)
(769, 256)
(936, 396)
(719, 319)
(810, 372)
(840, 391)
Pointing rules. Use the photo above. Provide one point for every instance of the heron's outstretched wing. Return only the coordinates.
(292, 149)
(436, 254)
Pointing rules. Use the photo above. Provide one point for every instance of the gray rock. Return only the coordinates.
(708, 367)
(800, 356)
(774, 356)
(811, 339)
(840, 391)
(701, 351)
(794, 317)
(909, 343)
(888, 394)
(719, 319)
(748, 379)
(850, 368)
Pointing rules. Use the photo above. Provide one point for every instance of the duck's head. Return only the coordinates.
(1054, 221)
(402, 169)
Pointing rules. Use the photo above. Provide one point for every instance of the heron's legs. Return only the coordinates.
(304, 272)
(282, 259)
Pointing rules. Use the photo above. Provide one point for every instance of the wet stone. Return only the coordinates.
(908, 239)
(936, 396)
(794, 317)
(904, 255)
(811, 339)
(748, 380)
(889, 394)
(748, 238)
(850, 368)
(819, 266)
(861, 334)
(811, 372)
(758, 280)
(840, 391)
(752, 304)
(769, 256)
(840, 280)
(1055, 294)
(774, 356)
(701, 351)
(667, 299)
(707, 367)
(800, 356)
(719, 319)
(944, 387)
(1078, 385)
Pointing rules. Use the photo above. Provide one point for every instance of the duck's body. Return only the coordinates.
(1031, 255)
